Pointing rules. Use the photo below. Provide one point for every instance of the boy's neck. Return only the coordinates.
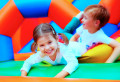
(92, 30)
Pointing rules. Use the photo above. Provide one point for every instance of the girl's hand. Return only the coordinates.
(23, 73)
(62, 74)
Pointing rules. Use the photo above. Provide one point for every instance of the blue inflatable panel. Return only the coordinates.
(6, 48)
(56, 27)
(110, 29)
(27, 47)
(82, 4)
(33, 8)
(3, 3)
(119, 23)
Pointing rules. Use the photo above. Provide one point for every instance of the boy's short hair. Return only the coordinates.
(99, 13)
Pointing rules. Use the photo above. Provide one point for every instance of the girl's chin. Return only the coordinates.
(50, 54)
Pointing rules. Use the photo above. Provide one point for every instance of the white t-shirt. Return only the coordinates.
(66, 56)
(87, 40)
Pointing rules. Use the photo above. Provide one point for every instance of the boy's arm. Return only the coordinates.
(62, 74)
(116, 52)
(80, 15)
(75, 37)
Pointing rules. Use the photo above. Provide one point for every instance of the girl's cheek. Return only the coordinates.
(41, 49)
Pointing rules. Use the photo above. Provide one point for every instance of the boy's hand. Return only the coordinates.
(80, 15)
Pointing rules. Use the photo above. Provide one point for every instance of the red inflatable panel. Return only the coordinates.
(114, 8)
(10, 19)
(25, 32)
(61, 12)
(116, 35)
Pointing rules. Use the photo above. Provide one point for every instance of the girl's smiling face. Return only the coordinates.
(47, 45)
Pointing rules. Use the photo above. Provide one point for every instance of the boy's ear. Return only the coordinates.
(97, 23)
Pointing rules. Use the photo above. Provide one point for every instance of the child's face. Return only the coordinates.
(47, 45)
(88, 21)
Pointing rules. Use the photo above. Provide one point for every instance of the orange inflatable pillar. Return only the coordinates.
(10, 19)
(48, 79)
(114, 8)
(21, 56)
(61, 12)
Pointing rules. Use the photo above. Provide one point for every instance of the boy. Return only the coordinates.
(94, 17)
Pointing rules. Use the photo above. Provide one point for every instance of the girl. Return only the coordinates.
(51, 51)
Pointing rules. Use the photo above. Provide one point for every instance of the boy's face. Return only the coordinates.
(88, 21)
(47, 45)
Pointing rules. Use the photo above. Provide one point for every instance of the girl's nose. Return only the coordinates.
(47, 47)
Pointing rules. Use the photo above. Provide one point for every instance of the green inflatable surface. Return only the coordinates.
(110, 71)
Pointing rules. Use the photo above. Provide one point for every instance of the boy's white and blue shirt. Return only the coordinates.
(86, 39)
(66, 56)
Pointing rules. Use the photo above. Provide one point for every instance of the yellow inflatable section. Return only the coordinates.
(98, 54)
(70, 1)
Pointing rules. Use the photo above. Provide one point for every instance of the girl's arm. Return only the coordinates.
(62, 74)
(72, 64)
(116, 52)
(35, 58)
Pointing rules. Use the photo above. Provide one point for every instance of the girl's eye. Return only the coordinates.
(49, 42)
(41, 45)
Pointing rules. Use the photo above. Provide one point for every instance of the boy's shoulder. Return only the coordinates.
(100, 31)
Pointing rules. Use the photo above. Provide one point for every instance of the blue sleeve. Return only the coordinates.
(72, 25)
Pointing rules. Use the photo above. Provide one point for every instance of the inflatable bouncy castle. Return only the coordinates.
(18, 18)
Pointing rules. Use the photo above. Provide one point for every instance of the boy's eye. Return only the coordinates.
(85, 18)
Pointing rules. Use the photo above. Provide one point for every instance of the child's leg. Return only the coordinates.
(72, 25)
